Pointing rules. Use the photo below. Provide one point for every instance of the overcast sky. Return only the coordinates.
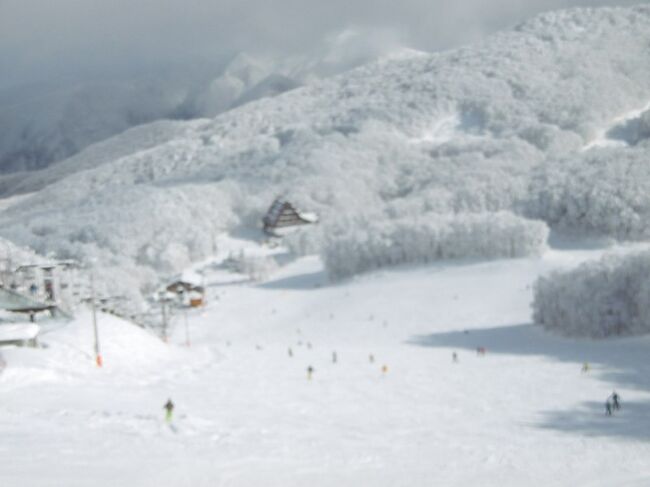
(78, 38)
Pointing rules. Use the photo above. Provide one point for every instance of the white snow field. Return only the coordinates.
(246, 414)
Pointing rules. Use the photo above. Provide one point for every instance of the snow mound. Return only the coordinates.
(69, 354)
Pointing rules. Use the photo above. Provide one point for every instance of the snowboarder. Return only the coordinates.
(169, 410)
(454, 357)
(616, 401)
(310, 371)
(608, 407)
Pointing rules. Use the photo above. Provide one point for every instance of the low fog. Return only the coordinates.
(76, 72)
(75, 39)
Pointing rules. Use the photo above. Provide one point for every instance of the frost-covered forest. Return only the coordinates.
(363, 246)
(605, 298)
(50, 122)
(547, 121)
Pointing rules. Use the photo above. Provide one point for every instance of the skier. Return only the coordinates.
(371, 358)
(334, 357)
(454, 357)
(290, 352)
(169, 409)
(616, 401)
(585, 367)
(384, 369)
(310, 371)
(608, 407)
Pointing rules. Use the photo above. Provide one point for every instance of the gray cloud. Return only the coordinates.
(41, 39)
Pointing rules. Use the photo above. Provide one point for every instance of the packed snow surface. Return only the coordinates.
(247, 415)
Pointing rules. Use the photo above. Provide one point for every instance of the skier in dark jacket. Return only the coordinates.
(169, 410)
(608, 407)
(616, 401)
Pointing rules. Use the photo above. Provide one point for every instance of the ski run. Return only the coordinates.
(398, 394)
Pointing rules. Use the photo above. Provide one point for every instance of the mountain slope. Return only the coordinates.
(46, 123)
(407, 138)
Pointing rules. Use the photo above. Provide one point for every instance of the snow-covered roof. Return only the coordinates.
(309, 216)
(192, 277)
(283, 214)
(18, 332)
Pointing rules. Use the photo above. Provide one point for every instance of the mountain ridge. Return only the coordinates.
(418, 137)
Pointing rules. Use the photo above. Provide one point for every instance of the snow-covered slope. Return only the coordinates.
(401, 139)
(246, 414)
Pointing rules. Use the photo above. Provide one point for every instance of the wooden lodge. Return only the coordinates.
(283, 215)
(187, 293)
(180, 287)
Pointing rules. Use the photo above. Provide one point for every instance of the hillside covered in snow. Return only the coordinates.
(44, 123)
(547, 121)
(462, 298)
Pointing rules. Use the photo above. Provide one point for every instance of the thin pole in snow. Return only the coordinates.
(164, 319)
(187, 328)
(98, 355)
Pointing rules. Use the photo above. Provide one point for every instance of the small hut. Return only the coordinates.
(180, 287)
(283, 215)
(187, 293)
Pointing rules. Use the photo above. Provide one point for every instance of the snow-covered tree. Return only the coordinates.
(610, 297)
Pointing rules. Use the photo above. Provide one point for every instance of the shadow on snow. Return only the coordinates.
(302, 281)
(621, 362)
